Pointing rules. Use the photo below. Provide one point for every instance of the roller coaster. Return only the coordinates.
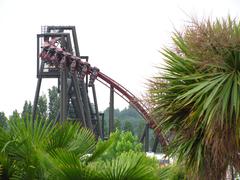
(58, 56)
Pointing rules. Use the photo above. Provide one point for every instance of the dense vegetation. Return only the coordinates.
(42, 150)
(128, 120)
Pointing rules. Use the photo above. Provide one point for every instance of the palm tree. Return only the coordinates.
(196, 97)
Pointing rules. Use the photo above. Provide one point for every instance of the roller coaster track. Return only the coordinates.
(62, 60)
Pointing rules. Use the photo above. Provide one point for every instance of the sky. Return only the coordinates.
(121, 37)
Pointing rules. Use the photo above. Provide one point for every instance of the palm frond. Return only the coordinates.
(197, 96)
(128, 165)
(67, 165)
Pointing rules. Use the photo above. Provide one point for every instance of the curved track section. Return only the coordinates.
(134, 101)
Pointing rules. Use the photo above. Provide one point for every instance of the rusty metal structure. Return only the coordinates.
(58, 56)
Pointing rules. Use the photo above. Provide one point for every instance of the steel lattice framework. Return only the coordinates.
(58, 56)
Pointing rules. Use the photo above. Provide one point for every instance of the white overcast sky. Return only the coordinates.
(121, 37)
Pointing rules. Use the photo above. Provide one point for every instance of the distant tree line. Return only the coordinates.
(45, 108)
(127, 119)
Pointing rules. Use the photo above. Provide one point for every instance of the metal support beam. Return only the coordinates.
(37, 92)
(146, 139)
(68, 43)
(99, 122)
(86, 105)
(75, 41)
(69, 86)
(143, 135)
(102, 119)
(63, 92)
(38, 58)
(86, 77)
(79, 99)
(111, 111)
(77, 110)
(155, 144)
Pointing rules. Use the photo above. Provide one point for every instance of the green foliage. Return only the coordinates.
(66, 165)
(121, 142)
(71, 137)
(140, 128)
(43, 150)
(196, 97)
(28, 149)
(54, 102)
(128, 119)
(129, 165)
(3, 119)
(172, 172)
(15, 115)
(118, 124)
(17, 151)
(128, 126)
(27, 110)
(42, 107)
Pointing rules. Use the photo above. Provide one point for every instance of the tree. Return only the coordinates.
(128, 126)
(15, 115)
(118, 124)
(42, 107)
(128, 114)
(30, 108)
(121, 142)
(140, 128)
(54, 102)
(27, 110)
(196, 97)
(3, 119)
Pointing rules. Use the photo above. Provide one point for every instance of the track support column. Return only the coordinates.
(155, 144)
(37, 92)
(79, 100)
(146, 139)
(102, 119)
(63, 92)
(111, 110)
(86, 104)
(99, 122)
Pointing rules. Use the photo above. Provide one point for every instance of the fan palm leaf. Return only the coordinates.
(30, 147)
(73, 138)
(67, 165)
(129, 165)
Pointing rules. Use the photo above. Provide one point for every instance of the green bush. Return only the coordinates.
(121, 142)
